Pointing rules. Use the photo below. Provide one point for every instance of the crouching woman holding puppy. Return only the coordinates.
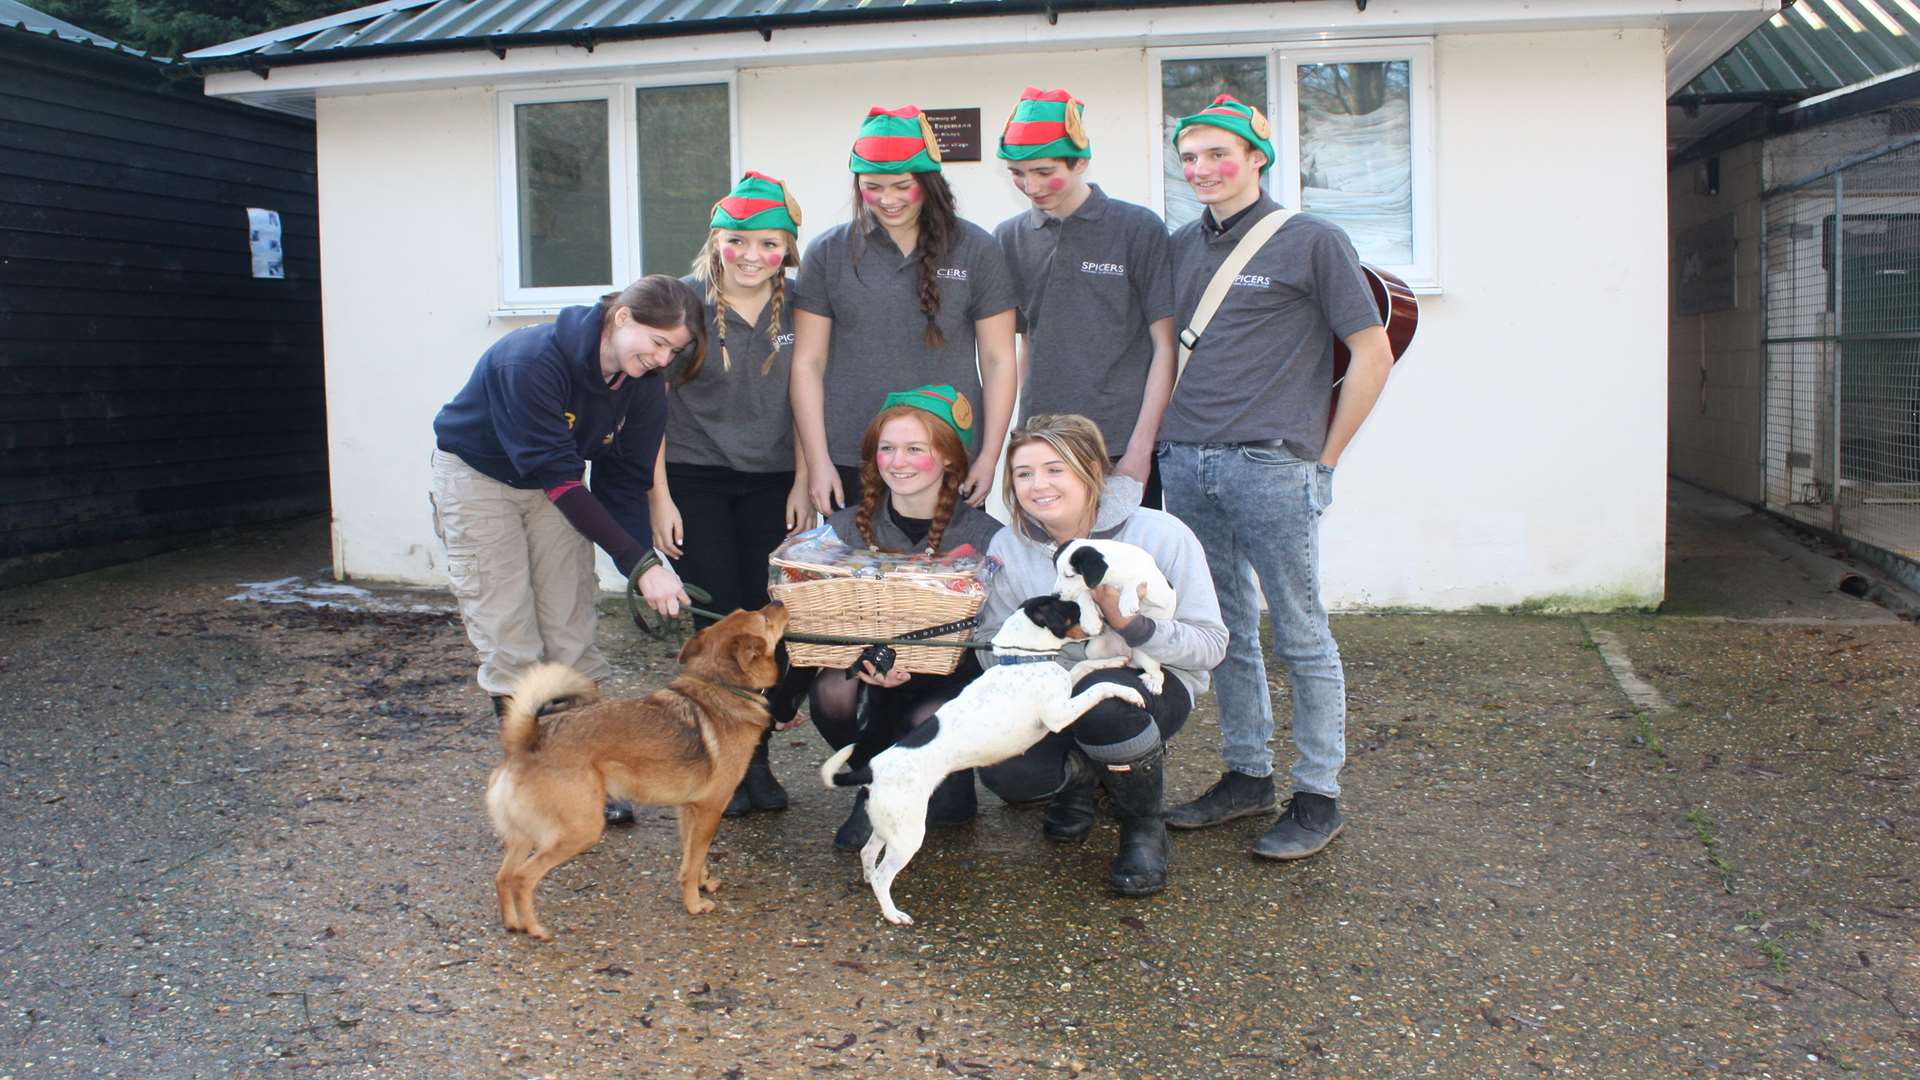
(1063, 488)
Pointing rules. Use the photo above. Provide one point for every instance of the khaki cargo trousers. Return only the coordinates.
(523, 576)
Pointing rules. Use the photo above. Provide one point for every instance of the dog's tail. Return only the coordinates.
(538, 688)
(831, 775)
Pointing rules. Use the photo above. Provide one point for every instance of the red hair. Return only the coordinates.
(943, 440)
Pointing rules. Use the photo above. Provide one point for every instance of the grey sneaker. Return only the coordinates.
(1309, 823)
(1234, 795)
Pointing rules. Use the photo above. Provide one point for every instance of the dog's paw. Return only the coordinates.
(898, 917)
(1131, 696)
(539, 933)
(699, 906)
(1154, 681)
(711, 884)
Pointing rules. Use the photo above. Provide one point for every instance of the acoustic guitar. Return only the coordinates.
(1399, 314)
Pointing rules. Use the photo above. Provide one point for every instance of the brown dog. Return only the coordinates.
(686, 747)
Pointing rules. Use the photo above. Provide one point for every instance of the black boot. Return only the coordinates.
(856, 830)
(758, 789)
(1140, 869)
(1069, 816)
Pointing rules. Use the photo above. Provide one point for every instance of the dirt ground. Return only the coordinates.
(245, 839)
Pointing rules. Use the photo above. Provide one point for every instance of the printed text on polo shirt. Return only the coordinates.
(1254, 281)
(1110, 269)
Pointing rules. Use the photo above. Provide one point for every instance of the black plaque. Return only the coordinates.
(1705, 260)
(957, 131)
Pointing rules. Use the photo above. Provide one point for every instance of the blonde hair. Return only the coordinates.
(708, 269)
(1080, 445)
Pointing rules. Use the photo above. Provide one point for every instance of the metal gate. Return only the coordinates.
(1841, 272)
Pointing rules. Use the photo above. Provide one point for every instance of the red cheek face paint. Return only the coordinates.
(913, 194)
(869, 196)
(1056, 184)
(1228, 170)
(1187, 171)
(728, 255)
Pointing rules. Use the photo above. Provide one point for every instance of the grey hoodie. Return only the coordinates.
(1191, 644)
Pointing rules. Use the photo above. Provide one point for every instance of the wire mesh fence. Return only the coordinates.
(1842, 293)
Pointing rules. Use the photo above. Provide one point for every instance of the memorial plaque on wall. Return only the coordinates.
(957, 131)
(1705, 265)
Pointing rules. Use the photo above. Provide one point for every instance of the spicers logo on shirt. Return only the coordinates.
(783, 341)
(1107, 269)
(950, 273)
(1254, 281)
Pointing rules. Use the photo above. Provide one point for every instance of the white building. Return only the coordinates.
(1507, 158)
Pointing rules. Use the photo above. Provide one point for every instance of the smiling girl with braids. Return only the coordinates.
(913, 461)
(729, 485)
(905, 292)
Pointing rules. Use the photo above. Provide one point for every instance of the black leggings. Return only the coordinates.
(1040, 771)
(834, 701)
(731, 522)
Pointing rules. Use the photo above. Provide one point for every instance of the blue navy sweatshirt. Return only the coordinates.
(537, 409)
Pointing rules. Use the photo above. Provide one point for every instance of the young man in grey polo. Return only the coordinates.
(1095, 288)
(1247, 459)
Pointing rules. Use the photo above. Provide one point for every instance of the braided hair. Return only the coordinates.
(944, 443)
(939, 224)
(709, 269)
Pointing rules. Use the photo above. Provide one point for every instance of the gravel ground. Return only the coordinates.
(245, 838)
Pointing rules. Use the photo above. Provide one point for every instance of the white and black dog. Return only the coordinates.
(1083, 564)
(999, 715)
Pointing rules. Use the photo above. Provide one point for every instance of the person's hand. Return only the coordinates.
(661, 589)
(1135, 463)
(800, 512)
(824, 487)
(668, 531)
(894, 677)
(1107, 599)
(979, 481)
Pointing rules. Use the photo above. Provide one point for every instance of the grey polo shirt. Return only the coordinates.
(731, 415)
(1089, 286)
(878, 343)
(966, 526)
(1264, 367)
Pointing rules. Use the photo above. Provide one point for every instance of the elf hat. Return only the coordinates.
(942, 401)
(895, 141)
(1229, 113)
(758, 201)
(1044, 124)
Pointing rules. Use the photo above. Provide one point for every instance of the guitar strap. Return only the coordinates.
(1216, 293)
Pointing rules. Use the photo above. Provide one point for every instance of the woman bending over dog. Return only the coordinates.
(510, 500)
(1058, 474)
(913, 461)
(729, 485)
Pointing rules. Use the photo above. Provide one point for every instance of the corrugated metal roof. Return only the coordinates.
(17, 16)
(418, 26)
(1814, 47)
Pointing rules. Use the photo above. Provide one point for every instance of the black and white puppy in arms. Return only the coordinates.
(1014, 704)
(1083, 564)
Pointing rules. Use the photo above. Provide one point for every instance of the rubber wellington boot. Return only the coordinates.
(1140, 868)
(1069, 816)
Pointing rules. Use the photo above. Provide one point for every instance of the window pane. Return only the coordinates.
(1186, 87)
(686, 164)
(566, 237)
(1356, 154)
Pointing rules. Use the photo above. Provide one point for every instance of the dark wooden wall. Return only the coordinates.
(152, 392)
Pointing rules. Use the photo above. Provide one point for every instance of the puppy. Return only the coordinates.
(1084, 564)
(686, 746)
(999, 715)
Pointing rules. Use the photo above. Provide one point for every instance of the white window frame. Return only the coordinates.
(623, 187)
(1283, 107)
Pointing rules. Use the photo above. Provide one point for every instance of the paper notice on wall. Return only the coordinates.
(263, 235)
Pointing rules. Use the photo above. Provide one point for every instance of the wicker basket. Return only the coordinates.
(874, 608)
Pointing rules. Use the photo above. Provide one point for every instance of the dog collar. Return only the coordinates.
(1025, 658)
(741, 691)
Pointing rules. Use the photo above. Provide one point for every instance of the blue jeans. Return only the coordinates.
(1256, 511)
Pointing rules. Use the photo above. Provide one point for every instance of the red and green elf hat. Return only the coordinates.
(1044, 124)
(1229, 113)
(942, 401)
(895, 141)
(758, 201)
